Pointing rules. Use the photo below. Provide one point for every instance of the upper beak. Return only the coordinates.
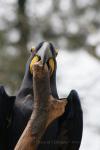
(45, 53)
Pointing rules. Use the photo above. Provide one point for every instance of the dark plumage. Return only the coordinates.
(6, 107)
(71, 124)
(67, 128)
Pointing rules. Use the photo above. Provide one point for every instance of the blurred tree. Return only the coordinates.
(12, 67)
(71, 25)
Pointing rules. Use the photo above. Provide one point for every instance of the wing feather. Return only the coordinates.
(71, 124)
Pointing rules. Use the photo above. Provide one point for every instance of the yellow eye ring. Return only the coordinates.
(32, 49)
(34, 60)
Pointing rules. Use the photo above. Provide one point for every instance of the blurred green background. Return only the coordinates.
(69, 24)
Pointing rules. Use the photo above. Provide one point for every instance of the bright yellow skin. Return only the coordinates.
(52, 65)
(36, 59)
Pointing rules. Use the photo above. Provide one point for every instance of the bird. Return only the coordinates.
(63, 133)
(46, 109)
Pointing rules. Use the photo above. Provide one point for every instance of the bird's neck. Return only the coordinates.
(26, 86)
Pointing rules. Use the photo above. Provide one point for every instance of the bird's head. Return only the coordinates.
(45, 52)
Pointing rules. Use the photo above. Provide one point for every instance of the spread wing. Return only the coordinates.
(71, 124)
(6, 107)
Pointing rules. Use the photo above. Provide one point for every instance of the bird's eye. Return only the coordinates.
(32, 49)
(51, 65)
(35, 59)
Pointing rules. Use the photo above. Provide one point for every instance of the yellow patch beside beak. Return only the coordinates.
(52, 65)
(34, 60)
